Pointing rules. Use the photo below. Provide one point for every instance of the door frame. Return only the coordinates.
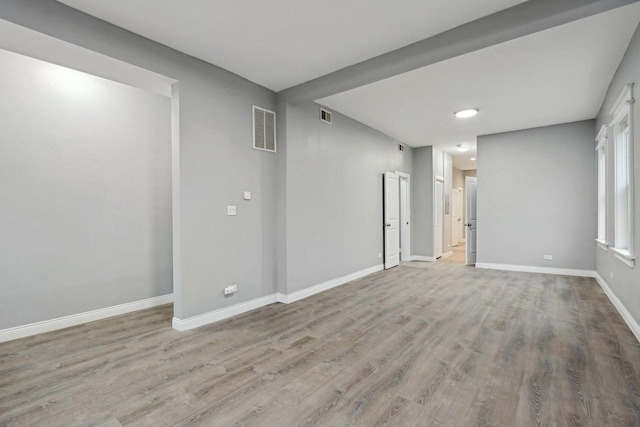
(468, 221)
(438, 178)
(391, 219)
(405, 216)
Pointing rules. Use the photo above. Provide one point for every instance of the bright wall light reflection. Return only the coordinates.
(70, 82)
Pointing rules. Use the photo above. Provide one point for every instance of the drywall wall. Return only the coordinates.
(334, 195)
(622, 280)
(85, 189)
(448, 218)
(422, 202)
(458, 178)
(216, 163)
(537, 196)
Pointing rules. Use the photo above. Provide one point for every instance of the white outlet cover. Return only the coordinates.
(231, 210)
(247, 195)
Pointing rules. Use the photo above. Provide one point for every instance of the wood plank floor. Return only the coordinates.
(424, 344)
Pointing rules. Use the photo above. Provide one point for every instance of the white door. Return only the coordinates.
(439, 218)
(405, 228)
(471, 187)
(391, 220)
(456, 216)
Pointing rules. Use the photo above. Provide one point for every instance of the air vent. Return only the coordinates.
(325, 116)
(264, 129)
(401, 147)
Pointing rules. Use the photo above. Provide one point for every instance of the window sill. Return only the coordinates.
(625, 256)
(603, 245)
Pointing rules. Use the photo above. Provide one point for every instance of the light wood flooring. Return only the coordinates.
(424, 344)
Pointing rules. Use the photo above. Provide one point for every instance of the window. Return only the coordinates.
(264, 129)
(622, 127)
(602, 187)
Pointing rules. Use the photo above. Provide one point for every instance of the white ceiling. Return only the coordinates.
(282, 43)
(555, 76)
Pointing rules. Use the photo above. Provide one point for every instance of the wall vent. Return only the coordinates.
(325, 116)
(264, 129)
(400, 147)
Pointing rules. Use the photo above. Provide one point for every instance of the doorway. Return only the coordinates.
(438, 217)
(405, 215)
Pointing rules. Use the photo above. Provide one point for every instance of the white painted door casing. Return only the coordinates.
(471, 188)
(391, 220)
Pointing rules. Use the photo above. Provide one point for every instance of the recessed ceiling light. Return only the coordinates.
(473, 159)
(461, 147)
(463, 114)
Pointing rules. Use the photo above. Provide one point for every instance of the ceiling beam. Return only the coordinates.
(518, 21)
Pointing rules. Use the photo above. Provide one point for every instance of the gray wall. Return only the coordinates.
(625, 280)
(85, 189)
(217, 162)
(422, 202)
(537, 196)
(334, 195)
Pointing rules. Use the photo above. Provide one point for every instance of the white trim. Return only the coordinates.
(447, 254)
(628, 318)
(534, 269)
(603, 245)
(422, 258)
(81, 318)
(406, 255)
(625, 97)
(624, 256)
(234, 310)
(329, 284)
(602, 137)
(223, 313)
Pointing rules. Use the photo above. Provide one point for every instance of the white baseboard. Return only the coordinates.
(234, 310)
(80, 318)
(628, 318)
(312, 290)
(422, 258)
(534, 269)
(447, 254)
(223, 313)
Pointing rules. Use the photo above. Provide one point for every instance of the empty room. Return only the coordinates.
(337, 213)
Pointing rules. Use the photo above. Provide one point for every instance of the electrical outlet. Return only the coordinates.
(612, 275)
(231, 210)
(548, 257)
(232, 289)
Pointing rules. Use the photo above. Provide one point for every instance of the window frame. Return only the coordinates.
(601, 158)
(623, 218)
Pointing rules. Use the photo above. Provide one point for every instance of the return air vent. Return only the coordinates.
(264, 129)
(325, 116)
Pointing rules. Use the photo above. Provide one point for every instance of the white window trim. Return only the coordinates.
(275, 122)
(601, 146)
(623, 108)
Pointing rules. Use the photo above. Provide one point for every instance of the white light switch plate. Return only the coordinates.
(247, 195)
(231, 210)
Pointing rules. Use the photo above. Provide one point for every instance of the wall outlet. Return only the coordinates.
(232, 289)
(548, 257)
(612, 275)
(231, 210)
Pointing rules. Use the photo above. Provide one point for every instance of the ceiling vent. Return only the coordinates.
(325, 116)
(264, 129)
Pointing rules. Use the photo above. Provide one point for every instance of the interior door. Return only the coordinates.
(439, 218)
(471, 187)
(456, 216)
(391, 220)
(405, 228)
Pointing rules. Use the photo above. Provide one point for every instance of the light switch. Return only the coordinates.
(247, 195)
(231, 210)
